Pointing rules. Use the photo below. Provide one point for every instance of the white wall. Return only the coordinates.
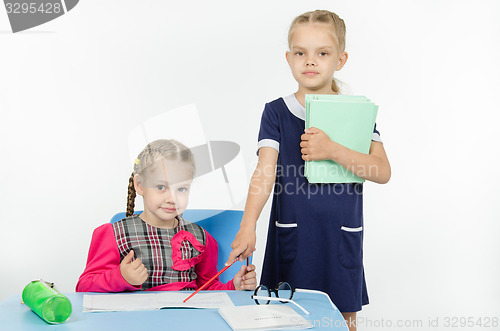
(71, 91)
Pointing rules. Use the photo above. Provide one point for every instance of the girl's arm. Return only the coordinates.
(102, 273)
(375, 167)
(260, 188)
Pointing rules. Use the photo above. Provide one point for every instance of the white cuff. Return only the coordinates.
(376, 137)
(268, 143)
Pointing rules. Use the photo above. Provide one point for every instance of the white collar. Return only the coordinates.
(295, 107)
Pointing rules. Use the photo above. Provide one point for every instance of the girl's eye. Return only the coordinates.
(161, 187)
(323, 54)
(182, 189)
(299, 53)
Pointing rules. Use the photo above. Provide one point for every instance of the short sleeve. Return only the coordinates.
(269, 134)
(376, 134)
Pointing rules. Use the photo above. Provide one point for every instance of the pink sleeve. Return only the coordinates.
(207, 267)
(102, 273)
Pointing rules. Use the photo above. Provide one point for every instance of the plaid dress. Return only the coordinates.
(169, 255)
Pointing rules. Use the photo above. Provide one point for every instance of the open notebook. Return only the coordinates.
(347, 120)
(151, 301)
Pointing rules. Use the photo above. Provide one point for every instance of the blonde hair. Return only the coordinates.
(327, 17)
(159, 149)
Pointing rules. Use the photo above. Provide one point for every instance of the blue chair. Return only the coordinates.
(221, 224)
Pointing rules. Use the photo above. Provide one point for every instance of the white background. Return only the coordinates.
(72, 90)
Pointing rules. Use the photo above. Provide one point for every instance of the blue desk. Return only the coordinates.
(16, 316)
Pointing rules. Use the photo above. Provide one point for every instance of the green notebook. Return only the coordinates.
(348, 120)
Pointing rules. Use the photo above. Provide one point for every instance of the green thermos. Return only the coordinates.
(48, 303)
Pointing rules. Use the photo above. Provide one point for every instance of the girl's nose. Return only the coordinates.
(169, 197)
(310, 62)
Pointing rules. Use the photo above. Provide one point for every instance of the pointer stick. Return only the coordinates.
(209, 281)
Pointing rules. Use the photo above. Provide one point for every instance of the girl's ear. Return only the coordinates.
(342, 60)
(287, 56)
(138, 184)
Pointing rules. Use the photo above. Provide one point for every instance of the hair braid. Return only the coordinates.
(335, 86)
(130, 197)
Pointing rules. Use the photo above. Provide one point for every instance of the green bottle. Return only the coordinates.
(48, 303)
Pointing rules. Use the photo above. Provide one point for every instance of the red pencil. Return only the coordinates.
(209, 281)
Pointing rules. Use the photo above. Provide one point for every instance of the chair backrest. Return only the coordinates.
(221, 224)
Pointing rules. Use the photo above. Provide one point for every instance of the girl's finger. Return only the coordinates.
(242, 271)
(143, 273)
(128, 258)
(137, 264)
(251, 267)
(236, 252)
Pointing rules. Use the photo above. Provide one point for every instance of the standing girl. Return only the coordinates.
(315, 230)
(157, 250)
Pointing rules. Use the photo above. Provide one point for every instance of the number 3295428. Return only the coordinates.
(32, 8)
(471, 322)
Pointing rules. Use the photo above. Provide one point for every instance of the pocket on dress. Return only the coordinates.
(287, 241)
(351, 247)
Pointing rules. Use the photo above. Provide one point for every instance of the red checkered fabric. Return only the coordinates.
(153, 246)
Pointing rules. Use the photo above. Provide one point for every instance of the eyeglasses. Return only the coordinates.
(283, 291)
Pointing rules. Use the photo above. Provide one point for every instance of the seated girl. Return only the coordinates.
(157, 250)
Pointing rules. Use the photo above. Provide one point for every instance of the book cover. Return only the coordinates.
(263, 317)
(347, 120)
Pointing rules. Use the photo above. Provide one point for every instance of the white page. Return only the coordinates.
(152, 301)
(263, 317)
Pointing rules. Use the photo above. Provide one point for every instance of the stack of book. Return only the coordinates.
(347, 120)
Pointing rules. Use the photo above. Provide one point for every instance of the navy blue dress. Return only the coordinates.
(315, 237)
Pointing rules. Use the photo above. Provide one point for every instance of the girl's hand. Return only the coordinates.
(316, 145)
(246, 278)
(134, 272)
(243, 245)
